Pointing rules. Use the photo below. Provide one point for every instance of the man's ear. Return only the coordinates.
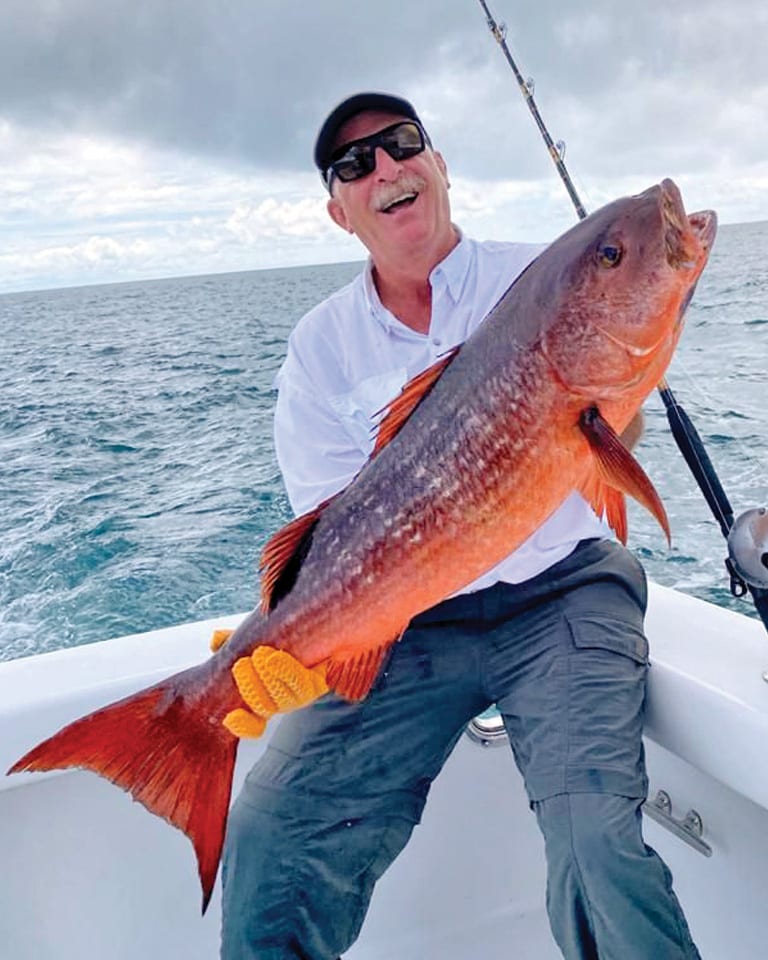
(338, 214)
(441, 166)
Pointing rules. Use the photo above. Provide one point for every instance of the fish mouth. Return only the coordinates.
(688, 238)
(704, 225)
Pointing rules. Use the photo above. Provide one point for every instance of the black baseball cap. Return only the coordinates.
(384, 102)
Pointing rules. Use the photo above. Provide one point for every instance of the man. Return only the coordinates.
(553, 634)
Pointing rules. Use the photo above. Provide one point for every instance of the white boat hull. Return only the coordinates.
(89, 874)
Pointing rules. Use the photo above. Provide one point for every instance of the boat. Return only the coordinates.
(89, 874)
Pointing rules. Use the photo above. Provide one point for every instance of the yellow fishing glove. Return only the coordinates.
(219, 638)
(269, 681)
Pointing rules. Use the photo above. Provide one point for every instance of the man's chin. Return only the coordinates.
(408, 232)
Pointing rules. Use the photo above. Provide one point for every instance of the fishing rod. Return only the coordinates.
(747, 536)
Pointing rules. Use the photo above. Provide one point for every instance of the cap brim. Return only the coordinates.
(383, 102)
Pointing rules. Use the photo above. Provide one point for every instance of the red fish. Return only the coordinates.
(470, 460)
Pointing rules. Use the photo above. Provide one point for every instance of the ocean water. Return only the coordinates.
(137, 474)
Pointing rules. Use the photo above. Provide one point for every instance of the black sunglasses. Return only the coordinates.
(358, 158)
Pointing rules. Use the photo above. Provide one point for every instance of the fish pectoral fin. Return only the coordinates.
(609, 501)
(353, 677)
(283, 555)
(617, 469)
(394, 415)
(616, 513)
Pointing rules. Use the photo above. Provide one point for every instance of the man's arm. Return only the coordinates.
(633, 431)
(315, 453)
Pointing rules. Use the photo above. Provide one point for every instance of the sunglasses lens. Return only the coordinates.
(358, 159)
(354, 163)
(403, 141)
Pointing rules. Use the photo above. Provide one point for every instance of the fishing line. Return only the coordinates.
(711, 400)
(686, 436)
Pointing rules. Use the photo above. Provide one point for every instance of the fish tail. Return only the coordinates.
(162, 747)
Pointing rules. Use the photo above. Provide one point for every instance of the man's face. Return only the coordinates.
(401, 204)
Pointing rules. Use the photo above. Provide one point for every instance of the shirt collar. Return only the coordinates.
(452, 271)
(454, 268)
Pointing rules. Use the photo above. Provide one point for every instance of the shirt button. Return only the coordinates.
(437, 342)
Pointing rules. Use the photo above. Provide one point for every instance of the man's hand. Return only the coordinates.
(218, 639)
(269, 681)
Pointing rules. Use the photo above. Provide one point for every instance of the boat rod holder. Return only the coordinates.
(690, 829)
(487, 729)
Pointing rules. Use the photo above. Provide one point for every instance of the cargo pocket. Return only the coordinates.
(607, 668)
(598, 632)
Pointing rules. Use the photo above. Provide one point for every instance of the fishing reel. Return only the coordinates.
(747, 561)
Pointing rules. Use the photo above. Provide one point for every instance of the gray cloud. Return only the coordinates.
(662, 89)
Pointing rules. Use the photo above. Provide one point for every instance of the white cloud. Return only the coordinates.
(91, 209)
(124, 155)
(88, 209)
(271, 219)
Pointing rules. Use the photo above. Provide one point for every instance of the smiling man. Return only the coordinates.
(401, 213)
(553, 634)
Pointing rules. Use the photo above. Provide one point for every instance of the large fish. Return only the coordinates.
(472, 458)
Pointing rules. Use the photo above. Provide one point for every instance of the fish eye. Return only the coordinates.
(609, 255)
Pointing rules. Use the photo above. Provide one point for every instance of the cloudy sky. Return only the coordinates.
(151, 138)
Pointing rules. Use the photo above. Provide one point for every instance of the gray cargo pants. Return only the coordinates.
(337, 795)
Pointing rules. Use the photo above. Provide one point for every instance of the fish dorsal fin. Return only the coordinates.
(394, 415)
(618, 470)
(354, 676)
(283, 554)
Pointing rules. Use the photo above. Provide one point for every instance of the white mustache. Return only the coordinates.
(407, 183)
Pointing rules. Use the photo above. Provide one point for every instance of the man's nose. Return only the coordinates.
(386, 167)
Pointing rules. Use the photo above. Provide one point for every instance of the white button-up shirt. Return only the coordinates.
(349, 357)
